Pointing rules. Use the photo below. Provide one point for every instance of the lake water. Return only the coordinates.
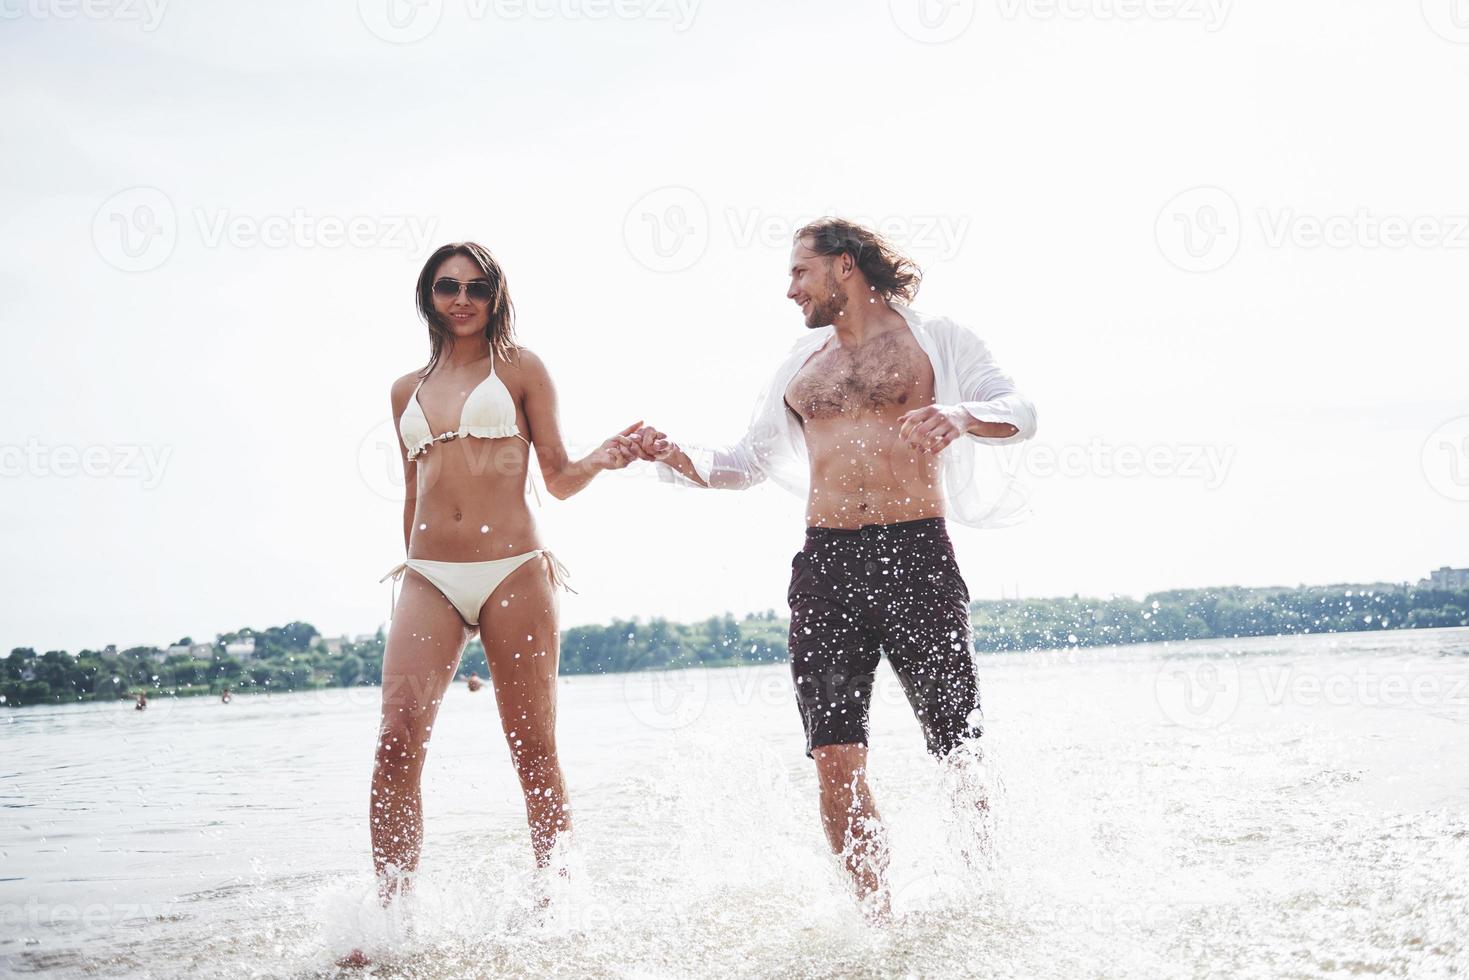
(1262, 807)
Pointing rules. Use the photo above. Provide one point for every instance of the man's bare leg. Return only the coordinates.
(967, 785)
(853, 826)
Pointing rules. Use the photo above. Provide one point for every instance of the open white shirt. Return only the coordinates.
(978, 490)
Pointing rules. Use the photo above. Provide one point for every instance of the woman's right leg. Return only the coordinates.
(425, 640)
(522, 643)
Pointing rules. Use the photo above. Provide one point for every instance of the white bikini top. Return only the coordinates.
(488, 413)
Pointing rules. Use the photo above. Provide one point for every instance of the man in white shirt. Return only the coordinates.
(873, 418)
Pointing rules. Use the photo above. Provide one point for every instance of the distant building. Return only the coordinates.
(1447, 578)
(334, 644)
(241, 649)
(110, 650)
(201, 651)
(364, 638)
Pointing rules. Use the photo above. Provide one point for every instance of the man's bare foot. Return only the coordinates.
(968, 784)
(553, 874)
(877, 907)
(392, 884)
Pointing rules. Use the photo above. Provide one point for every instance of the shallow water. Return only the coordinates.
(1262, 807)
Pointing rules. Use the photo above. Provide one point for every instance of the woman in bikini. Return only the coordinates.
(467, 422)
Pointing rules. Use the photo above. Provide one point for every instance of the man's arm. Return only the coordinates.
(766, 447)
(992, 409)
(996, 407)
(931, 429)
(654, 446)
(987, 430)
(734, 467)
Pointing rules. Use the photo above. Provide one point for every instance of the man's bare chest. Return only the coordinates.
(890, 374)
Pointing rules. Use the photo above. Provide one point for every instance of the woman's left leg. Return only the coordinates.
(519, 628)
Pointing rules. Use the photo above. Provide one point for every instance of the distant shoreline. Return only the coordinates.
(296, 657)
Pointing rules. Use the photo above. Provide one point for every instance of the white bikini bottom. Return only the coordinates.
(469, 584)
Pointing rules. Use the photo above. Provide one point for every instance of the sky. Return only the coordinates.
(1221, 245)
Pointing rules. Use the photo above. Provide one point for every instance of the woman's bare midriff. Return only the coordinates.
(471, 502)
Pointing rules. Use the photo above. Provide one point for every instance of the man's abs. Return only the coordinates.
(861, 473)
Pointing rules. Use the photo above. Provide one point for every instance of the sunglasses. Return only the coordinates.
(477, 290)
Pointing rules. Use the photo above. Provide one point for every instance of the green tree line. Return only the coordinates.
(295, 657)
(1196, 614)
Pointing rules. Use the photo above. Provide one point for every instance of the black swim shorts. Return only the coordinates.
(891, 588)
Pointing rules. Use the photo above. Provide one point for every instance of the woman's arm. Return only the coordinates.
(564, 477)
(402, 391)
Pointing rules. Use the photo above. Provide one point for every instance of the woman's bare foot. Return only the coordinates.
(355, 960)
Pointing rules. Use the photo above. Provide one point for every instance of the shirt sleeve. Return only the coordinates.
(747, 462)
(988, 394)
(735, 467)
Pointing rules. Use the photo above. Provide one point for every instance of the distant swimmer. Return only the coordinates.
(224, 696)
(473, 683)
(142, 701)
(858, 420)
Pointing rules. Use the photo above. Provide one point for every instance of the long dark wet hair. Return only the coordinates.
(499, 332)
(894, 274)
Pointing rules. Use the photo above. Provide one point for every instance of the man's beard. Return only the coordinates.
(828, 309)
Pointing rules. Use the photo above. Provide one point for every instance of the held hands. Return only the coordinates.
(927, 430)
(636, 442)
(621, 449)
(652, 445)
(930, 429)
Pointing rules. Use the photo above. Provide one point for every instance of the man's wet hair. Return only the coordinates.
(894, 274)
